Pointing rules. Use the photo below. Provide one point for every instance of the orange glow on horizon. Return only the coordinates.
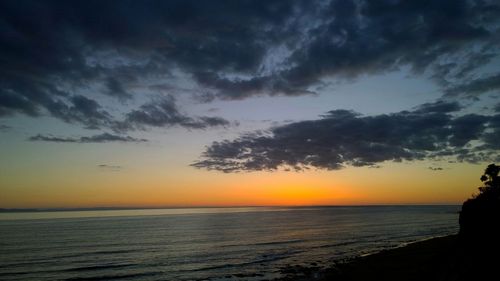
(394, 184)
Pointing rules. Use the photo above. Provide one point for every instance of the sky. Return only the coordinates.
(246, 103)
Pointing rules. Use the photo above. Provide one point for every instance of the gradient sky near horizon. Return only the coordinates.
(232, 103)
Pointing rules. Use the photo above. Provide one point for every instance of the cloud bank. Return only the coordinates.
(345, 138)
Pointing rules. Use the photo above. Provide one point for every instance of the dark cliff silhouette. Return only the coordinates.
(480, 215)
(479, 231)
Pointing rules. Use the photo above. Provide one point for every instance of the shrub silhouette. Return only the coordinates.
(480, 215)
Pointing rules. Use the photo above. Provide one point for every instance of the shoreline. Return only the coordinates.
(402, 245)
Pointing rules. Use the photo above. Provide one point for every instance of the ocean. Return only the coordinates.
(205, 243)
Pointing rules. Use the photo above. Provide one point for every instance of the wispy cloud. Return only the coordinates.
(497, 107)
(114, 168)
(101, 138)
(435, 168)
(163, 112)
(476, 87)
(5, 128)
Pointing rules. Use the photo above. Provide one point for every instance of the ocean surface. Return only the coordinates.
(205, 243)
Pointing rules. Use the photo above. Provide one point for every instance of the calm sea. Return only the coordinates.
(204, 244)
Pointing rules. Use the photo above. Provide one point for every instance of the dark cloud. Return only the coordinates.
(342, 138)
(492, 136)
(379, 36)
(81, 110)
(350, 38)
(10, 103)
(157, 114)
(54, 51)
(115, 88)
(209, 121)
(436, 107)
(466, 128)
(101, 138)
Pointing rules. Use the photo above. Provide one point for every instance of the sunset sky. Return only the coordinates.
(239, 103)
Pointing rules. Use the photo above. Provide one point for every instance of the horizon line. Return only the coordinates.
(118, 208)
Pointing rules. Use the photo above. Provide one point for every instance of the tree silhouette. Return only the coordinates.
(491, 179)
